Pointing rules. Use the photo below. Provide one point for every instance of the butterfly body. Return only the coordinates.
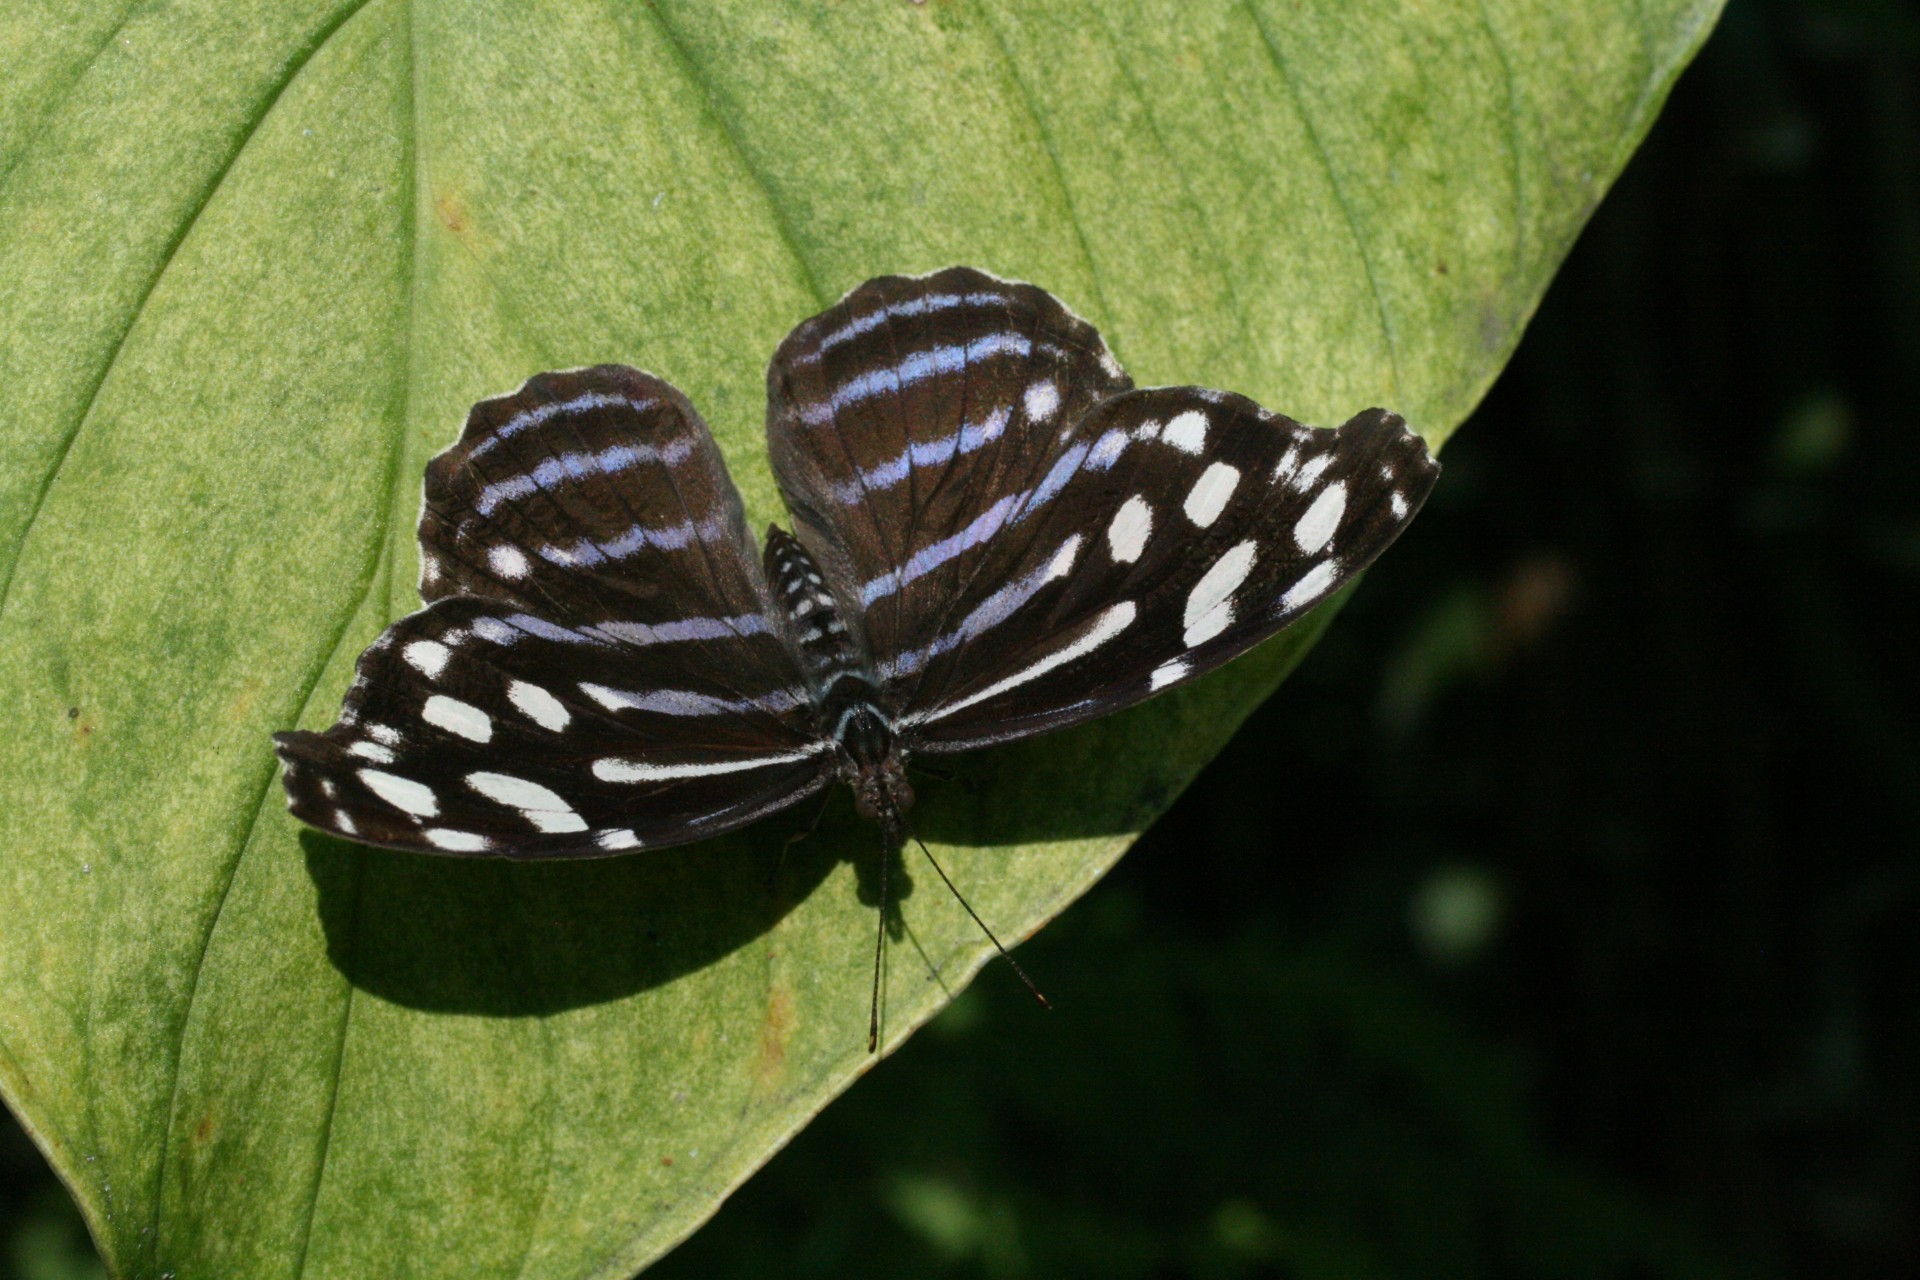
(852, 715)
(995, 535)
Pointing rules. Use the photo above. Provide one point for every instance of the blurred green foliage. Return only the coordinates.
(1580, 941)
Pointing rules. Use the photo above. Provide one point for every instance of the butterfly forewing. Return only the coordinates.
(1189, 526)
(597, 497)
(908, 422)
(473, 727)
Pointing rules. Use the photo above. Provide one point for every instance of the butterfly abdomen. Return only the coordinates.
(827, 649)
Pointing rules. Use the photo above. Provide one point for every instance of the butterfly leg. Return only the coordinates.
(780, 859)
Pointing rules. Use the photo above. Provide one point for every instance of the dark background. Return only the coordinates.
(1558, 918)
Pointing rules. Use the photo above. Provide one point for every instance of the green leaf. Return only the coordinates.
(255, 262)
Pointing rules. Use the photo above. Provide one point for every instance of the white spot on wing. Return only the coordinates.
(537, 804)
(384, 733)
(1062, 563)
(538, 705)
(1167, 674)
(1116, 619)
(521, 793)
(1399, 505)
(1132, 524)
(1210, 493)
(371, 751)
(1041, 400)
(495, 630)
(344, 820)
(1303, 478)
(1187, 432)
(428, 657)
(508, 561)
(457, 841)
(1311, 584)
(403, 794)
(616, 838)
(1321, 519)
(1210, 603)
(685, 702)
(457, 717)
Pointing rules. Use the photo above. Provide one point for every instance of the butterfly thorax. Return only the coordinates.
(851, 708)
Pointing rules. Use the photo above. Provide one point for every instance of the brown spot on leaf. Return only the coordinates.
(447, 206)
(203, 1130)
(775, 1032)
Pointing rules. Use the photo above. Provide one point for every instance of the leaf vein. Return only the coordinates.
(1513, 118)
(1047, 145)
(387, 554)
(777, 211)
(169, 255)
(66, 91)
(1287, 78)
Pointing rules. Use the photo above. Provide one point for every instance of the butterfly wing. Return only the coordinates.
(1189, 526)
(600, 665)
(900, 422)
(474, 728)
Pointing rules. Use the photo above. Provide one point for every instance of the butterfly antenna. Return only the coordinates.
(879, 949)
(961, 899)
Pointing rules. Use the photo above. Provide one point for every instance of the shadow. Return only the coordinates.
(525, 939)
(1110, 776)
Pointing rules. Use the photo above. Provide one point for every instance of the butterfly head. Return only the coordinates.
(873, 765)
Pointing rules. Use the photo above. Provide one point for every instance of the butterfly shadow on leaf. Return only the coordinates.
(524, 939)
(1108, 777)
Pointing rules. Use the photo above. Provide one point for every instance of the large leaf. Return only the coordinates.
(255, 261)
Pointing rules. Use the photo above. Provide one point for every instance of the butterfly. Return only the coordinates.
(995, 535)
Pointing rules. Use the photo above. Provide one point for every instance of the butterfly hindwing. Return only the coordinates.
(473, 727)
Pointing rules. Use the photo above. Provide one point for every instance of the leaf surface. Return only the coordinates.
(255, 262)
